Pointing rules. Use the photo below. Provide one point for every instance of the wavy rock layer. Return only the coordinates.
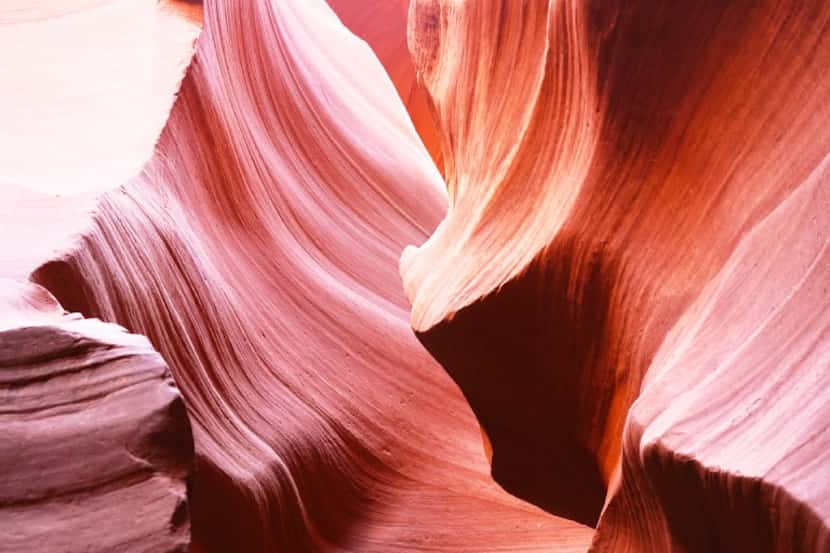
(96, 444)
(258, 251)
(629, 286)
(643, 215)
(726, 447)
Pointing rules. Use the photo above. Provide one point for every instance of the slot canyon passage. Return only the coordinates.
(456, 276)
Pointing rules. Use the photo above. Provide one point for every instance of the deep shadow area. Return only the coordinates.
(526, 358)
(64, 281)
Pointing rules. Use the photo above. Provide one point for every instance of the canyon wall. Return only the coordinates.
(427, 275)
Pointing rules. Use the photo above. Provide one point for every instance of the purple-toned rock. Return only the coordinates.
(96, 447)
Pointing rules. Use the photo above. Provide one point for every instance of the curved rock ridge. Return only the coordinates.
(502, 149)
(624, 217)
(726, 449)
(608, 214)
(382, 24)
(258, 251)
(96, 446)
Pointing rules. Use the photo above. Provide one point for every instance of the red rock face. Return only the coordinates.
(630, 256)
(618, 218)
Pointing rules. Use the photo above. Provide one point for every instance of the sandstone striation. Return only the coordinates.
(607, 223)
(635, 247)
(96, 447)
(258, 251)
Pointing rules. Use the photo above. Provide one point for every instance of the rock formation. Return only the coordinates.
(636, 247)
(272, 290)
(96, 445)
(607, 221)
(382, 24)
